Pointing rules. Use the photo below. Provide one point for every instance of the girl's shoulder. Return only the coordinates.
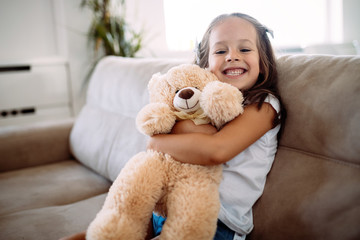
(273, 101)
(265, 98)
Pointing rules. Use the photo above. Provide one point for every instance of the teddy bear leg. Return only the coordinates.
(193, 210)
(128, 207)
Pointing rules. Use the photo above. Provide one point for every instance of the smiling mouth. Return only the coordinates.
(234, 72)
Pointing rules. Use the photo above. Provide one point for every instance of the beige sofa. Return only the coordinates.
(54, 176)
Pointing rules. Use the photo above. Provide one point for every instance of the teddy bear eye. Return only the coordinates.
(177, 91)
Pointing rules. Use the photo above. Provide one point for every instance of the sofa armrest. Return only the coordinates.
(33, 145)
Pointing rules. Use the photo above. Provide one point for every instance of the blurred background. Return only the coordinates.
(49, 47)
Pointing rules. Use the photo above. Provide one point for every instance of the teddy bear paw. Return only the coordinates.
(155, 118)
(221, 102)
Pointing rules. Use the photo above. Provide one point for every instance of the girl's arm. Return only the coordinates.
(188, 126)
(216, 148)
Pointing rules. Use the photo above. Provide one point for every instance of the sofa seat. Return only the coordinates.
(45, 192)
(52, 222)
(64, 182)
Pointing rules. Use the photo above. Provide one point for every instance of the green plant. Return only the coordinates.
(109, 31)
(109, 34)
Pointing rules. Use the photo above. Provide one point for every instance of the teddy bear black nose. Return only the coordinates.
(186, 93)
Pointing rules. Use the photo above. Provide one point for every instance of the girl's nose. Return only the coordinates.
(232, 57)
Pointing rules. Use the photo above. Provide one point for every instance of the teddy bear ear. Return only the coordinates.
(157, 86)
(155, 79)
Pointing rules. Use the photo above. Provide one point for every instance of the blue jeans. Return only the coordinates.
(222, 231)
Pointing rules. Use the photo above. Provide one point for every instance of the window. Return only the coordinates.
(295, 23)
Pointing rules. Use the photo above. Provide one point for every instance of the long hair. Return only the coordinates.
(267, 81)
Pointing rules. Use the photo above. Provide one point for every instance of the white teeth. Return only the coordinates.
(234, 72)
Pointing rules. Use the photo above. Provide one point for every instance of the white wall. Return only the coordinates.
(43, 29)
(26, 29)
(351, 10)
(75, 25)
(149, 16)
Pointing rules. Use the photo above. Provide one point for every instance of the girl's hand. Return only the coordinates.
(188, 126)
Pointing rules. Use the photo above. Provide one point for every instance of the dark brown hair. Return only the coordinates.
(267, 81)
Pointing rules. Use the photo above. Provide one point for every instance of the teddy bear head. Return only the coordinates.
(188, 92)
(180, 87)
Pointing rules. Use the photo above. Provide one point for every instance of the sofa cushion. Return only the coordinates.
(322, 97)
(48, 185)
(34, 144)
(52, 222)
(104, 136)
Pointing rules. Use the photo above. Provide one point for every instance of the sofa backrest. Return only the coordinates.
(104, 136)
(313, 188)
(322, 95)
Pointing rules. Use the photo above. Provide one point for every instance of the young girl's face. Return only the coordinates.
(233, 53)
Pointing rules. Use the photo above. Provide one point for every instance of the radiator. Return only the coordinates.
(34, 91)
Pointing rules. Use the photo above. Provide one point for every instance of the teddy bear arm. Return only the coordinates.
(155, 118)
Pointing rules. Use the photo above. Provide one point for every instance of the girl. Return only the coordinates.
(237, 50)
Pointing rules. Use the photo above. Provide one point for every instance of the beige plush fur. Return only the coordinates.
(152, 181)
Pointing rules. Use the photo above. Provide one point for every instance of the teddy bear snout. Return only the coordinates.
(187, 100)
(186, 93)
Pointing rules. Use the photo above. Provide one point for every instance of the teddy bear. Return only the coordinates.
(186, 194)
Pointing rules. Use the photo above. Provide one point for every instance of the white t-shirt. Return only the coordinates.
(244, 179)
